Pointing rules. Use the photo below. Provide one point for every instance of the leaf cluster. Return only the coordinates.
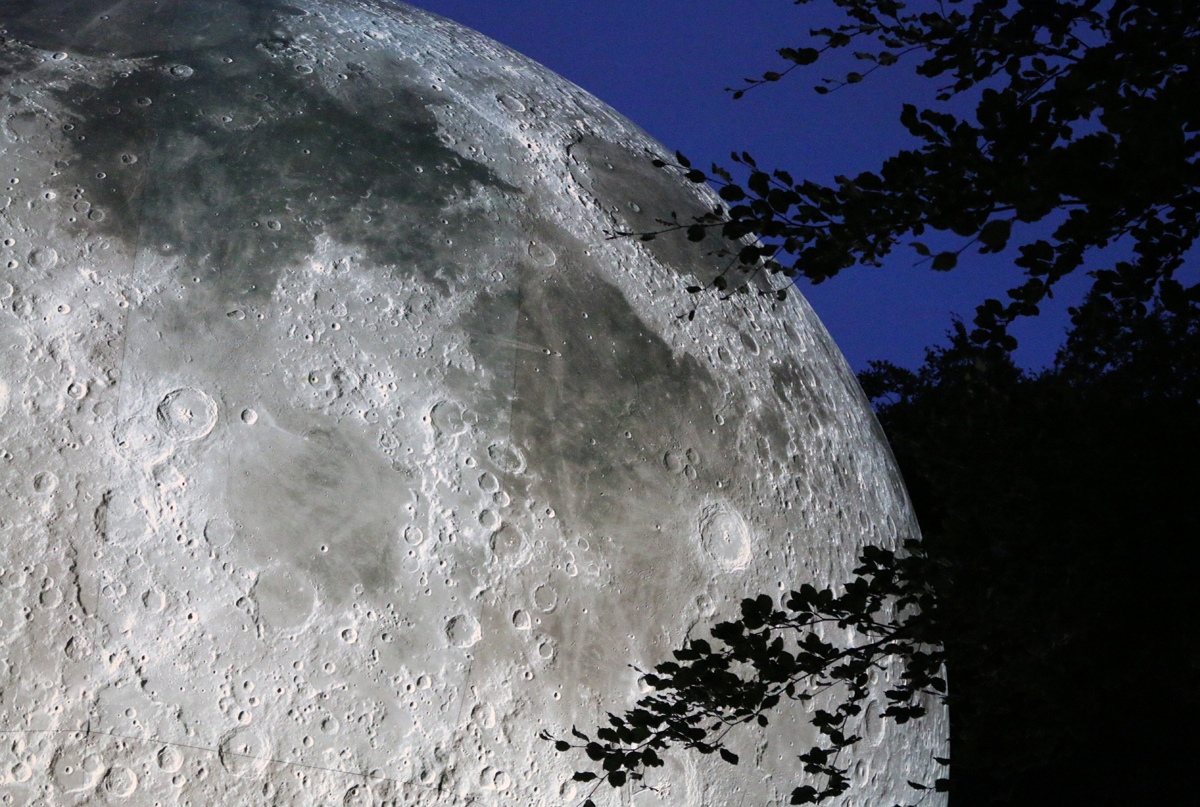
(779, 652)
(1085, 119)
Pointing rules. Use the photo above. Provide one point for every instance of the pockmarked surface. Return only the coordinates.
(342, 452)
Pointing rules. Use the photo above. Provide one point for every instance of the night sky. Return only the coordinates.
(665, 65)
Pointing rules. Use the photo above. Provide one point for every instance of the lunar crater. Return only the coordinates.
(726, 538)
(187, 414)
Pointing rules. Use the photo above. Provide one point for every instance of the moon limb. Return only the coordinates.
(333, 422)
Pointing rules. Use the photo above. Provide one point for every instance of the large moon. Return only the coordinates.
(342, 452)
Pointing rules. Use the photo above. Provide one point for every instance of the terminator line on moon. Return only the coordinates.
(341, 451)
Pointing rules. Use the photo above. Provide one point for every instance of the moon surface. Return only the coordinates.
(342, 452)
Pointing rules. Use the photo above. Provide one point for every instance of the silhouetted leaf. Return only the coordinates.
(945, 261)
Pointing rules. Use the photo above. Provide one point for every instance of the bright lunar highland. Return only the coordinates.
(342, 452)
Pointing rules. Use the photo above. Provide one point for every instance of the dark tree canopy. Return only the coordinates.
(1062, 501)
(1083, 136)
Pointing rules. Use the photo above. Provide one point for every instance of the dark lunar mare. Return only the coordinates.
(228, 159)
(123, 30)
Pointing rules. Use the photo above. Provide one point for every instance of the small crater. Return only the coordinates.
(542, 255)
(77, 648)
(187, 414)
(463, 631)
(244, 752)
(873, 725)
(169, 759)
(44, 483)
(490, 520)
(673, 462)
(507, 458)
(119, 782)
(511, 103)
(508, 543)
(43, 258)
(219, 531)
(726, 538)
(447, 419)
(154, 601)
(484, 716)
(545, 598)
(488, 482)
(358, 796)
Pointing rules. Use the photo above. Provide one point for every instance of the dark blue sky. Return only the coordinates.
(665, 65)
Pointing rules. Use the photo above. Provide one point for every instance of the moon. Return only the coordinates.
(342, 450)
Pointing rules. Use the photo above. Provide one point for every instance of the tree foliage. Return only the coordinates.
(1083, 135)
